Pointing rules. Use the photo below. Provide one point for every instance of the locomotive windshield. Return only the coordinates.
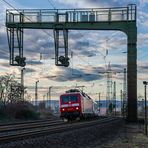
(69, 98)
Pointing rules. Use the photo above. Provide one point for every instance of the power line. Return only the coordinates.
(85, 60)
(51, 3)
(104, 56)
(25, 16)
(113, 71)
(10, 5)
(48, 33)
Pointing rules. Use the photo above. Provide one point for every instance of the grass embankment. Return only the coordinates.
(131, 136)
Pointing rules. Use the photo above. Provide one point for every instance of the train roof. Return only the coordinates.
(73, 90)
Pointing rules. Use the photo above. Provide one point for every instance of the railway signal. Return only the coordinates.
(20, 61)
(64, 61)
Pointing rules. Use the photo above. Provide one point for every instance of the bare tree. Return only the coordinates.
(10, 89)
(5, 82)
(15, 94)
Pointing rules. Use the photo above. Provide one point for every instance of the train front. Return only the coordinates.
(70, 106)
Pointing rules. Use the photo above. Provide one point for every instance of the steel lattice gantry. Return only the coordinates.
(61, 20)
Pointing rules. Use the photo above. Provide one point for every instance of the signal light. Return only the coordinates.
(20, 61)
(64, 61)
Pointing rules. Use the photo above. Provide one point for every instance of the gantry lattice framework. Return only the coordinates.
(62, 20)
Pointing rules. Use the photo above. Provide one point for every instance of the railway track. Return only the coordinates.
(24, 122)
(29, 125)
(40, 131)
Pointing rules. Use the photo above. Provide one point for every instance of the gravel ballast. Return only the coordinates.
(89, 137)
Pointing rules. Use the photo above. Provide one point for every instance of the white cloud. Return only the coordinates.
(142, 39)
(143, 2)
(84, 43)
(80, 4)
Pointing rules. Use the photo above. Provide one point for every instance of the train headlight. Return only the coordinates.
(77, 108)
(63, 109)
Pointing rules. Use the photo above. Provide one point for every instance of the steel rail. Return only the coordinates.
(57, 129)
(31, 124)
(24, 122)
(24, 126)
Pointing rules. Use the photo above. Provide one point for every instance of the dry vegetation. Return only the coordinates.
(130, 136)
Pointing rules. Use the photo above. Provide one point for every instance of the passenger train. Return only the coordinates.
(75, 104)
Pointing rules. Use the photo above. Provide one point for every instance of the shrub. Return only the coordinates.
(21, 110)
(2, 111)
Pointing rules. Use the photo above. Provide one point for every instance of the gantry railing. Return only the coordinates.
(71, 15)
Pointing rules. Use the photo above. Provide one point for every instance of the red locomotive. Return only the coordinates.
(75, 104)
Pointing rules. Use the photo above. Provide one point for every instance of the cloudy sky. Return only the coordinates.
(87, 51)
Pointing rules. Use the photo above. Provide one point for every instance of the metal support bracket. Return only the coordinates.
(61, 42)
(15, 42)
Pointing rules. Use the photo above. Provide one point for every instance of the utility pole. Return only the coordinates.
(121, 94)
(114, 98)
(109, 88)
(99, 103)
(44, 98)
(46, 103)
(22, 82)
(36, 92)
(145, 83)
(49, 94)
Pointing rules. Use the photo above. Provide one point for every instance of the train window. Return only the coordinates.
(70, 98)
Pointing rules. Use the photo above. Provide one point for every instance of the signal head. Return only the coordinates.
(64, 61)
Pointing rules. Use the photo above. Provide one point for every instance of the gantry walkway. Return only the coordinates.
(48, 18)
